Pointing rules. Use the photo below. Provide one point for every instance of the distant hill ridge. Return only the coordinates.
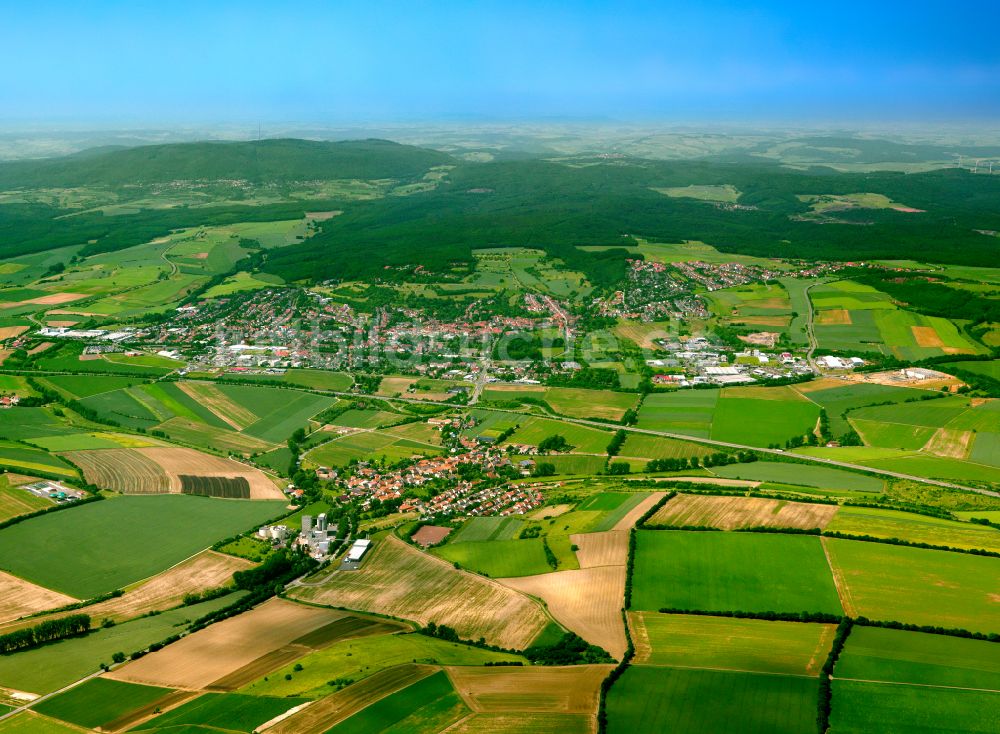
(283, 159)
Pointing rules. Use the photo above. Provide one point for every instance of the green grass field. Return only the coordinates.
(31, 723)
(837, 400)
(718, 571)
(751, 645)
(99, 701)
(50, 667)
(870, 708)
(582, 438)
(488, 528)
(651, 699)
(688, 412)
(896, 656)
(916, 528)
(762, 422)
(426, 707)
(122, 540)
(230, 712)
(367, 446)
(18, 457)
(498, 558)
(917, 586)
(806, 475)
(645, 446)
(358, 659)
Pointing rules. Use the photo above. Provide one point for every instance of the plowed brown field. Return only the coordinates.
(558, 690)
(742, 512)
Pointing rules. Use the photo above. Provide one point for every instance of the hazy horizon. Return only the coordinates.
(139, 64)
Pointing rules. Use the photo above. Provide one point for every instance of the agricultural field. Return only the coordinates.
(916, 586)
(368, 446)
(106, 555)
(646, 446)
(498, 558)
(573, 402)
(896, 656)
(719, 571)
(583, 439)
(729, 513)
(488, 528)
(50, 667)
(318, 717)
(723, 643)
(19, 598)
(368, 418)
(158, 470)
(648, 698)
(23, 458)
(402, 582)
(806, 475)
(31, 723)
(206, 571)
(15, 501)
(587, 601)
(758, 416)
(428, 706)
(210, 657)
(555, 690)
(219, 416)
(915, 528)
(227, 712)
(764, 306)
(855, 317)
(357, 659)
(874, 707)
(99, 701)
(845, 397)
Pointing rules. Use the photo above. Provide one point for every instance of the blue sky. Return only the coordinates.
(177, 61)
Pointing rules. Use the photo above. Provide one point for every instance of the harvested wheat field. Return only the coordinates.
(177, 461)
(521, 722)
(19, 597)
(950, 443)
(729, 513)
(199, 660)
(556, 690)
(629, 521)
(9, 332)
(211, 397)
(587, 601)
(320, 716)
(207, 570)
(403, 582)
(122, 470)
(834, 317)
(926, 336)
(609, 548)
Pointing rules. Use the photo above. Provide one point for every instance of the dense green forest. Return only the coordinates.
(553, 205)
(260, 161)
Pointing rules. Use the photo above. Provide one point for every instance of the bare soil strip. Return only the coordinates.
(629, 521)
(587, 601)
(199, 660)
(19, 597)
(325, 713)
(729, 513)
(559, 690)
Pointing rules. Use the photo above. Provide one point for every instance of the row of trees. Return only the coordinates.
(47, 631)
